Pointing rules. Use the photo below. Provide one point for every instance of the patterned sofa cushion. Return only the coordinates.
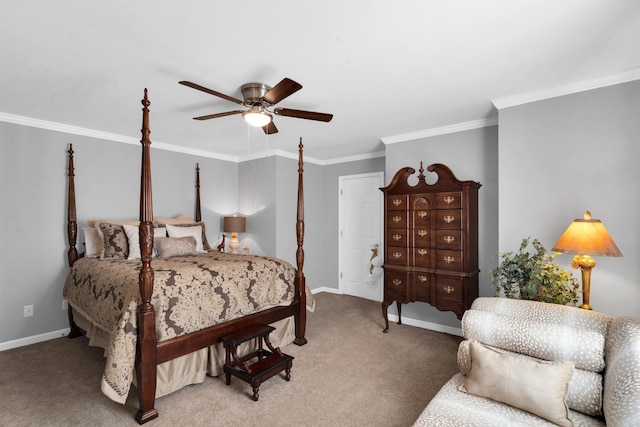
(545, 331)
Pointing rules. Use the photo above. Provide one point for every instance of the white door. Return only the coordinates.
(360, 225)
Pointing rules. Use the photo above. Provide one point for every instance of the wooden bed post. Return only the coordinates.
(300, 281)
(72, 225)
(146, 353)
(198, 209)
(72, 234)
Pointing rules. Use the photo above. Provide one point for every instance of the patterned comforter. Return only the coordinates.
(190, 293)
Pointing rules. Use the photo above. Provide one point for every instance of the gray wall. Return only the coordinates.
(562, 156)
(471, 155)
(33, 187)
(257, 201)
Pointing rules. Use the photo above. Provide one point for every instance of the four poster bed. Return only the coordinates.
(166, 320)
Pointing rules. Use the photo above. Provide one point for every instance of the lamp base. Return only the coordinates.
(585, 263)
(234, 244)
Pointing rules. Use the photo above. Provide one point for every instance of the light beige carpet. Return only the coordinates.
(349, 374)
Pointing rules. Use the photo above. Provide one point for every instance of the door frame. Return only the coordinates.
(341, 221)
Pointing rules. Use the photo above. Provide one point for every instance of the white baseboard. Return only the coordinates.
(21, 342)
(405, 320)
(426, 325)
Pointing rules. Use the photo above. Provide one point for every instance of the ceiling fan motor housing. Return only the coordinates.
(253, 92)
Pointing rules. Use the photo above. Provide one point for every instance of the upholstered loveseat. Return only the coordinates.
(521, 358)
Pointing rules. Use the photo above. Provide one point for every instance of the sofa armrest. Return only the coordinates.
(622, 373)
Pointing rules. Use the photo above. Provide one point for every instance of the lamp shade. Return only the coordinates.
(235, 224)
(587, 237)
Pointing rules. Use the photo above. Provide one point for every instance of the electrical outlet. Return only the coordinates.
(28, 310)
(65, 304)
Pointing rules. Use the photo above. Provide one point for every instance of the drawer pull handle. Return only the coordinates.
(422, 252)
(397, 255)
(449, 289)
(449, 219)
(397, 202)
(423, 279)
(397, 237)
(422, 214)
(397, 219)
(422, 233)
(448, 200)
(449, 259)
(397, 282)
(449, 239)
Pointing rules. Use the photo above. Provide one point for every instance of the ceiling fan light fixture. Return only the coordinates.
(257, 117)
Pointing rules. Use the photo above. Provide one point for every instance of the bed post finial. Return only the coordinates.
(301, 284)
(72, 225)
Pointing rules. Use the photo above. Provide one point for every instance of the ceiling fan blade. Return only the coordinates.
(280, 91)
(270, 128)
(210, 91)
(301, 114)
(215, 116)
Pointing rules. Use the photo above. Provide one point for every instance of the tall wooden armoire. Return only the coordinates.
(431, 241)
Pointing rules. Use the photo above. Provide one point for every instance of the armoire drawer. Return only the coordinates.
(397, 219)
(397, 255)
(423, 257)
(398, 203)
(449, 240)
(397, 286)
(449, 200)
(448, 219)
(449, 260)
(422, 286)
(398, 237)
(449, 289)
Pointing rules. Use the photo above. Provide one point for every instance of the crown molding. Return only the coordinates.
(92, 133)
(525, 98)
(443, 130)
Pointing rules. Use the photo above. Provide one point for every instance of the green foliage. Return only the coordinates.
(533, 276)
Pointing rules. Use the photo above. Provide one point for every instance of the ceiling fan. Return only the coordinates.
(259, 99)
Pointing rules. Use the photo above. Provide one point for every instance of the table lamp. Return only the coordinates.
(586, 237)
(234, 225)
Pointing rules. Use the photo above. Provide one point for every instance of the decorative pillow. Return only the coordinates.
(92, 242)
(536, 386)
(184, 221)
(184, 231)
(585, 387)
(114, 241)
(175, 246)
(133, 238)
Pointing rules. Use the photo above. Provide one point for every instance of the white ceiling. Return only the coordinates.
(384, 69)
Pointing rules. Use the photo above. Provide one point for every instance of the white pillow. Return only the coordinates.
(195, 231)
(92, 242)
(133, 237)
